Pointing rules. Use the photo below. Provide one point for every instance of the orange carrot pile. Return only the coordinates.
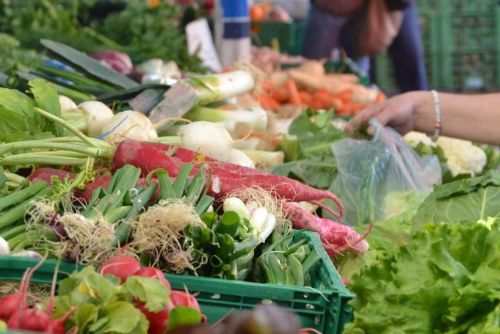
(274, 97)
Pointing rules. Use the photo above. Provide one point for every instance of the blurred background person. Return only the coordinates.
(329, 28)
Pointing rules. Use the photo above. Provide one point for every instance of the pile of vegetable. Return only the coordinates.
(308, 85)
(181, 210)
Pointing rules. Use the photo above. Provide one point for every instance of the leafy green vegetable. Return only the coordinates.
(120, 317)
(148, 33)
(149, 291)
(317, 172)
(463, 200)
(313, 134)
(183, 316)
(442, 281)
(18, 119)
(386, 235)
(104, 306)
(308, 150)
(46, 98)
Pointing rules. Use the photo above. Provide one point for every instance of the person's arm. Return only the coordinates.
(471, 117)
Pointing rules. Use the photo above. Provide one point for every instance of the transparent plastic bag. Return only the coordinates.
(385, 167)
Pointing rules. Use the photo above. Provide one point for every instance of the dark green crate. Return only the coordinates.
(461, 42)
(288, 35)
(323, 306)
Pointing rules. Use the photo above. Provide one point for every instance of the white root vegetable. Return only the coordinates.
(28, 253)
(263, 223)
(268, 227)
(4, 247)
(235, 204)
(66, 104)
(98, 115)
(258, 219)
(128, 124)
(207, 138)
(238, 157)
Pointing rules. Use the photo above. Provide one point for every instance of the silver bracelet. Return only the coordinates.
(437, 112)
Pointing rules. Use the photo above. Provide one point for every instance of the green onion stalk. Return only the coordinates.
(71, 151)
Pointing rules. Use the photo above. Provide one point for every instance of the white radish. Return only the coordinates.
(268, 227)
(66, 103)
(238, 157)
(98, 115)
(28, 253)
(258, 219)
(235, 204)
(4, 247)
(207, 138)
(128, 124)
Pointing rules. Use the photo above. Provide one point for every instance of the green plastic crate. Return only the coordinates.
(323, 306)
(461, 42)
(288, 35)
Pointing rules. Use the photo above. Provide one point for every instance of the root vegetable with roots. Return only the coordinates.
(157, 233)
(86, 242)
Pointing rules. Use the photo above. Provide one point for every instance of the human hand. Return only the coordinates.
(397, 112)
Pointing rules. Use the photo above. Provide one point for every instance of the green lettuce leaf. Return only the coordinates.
(464, 200)
(443, 280)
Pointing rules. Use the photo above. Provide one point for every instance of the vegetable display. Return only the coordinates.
(440, 281)
(160, 199)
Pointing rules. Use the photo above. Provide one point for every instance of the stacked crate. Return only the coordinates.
(461, 42)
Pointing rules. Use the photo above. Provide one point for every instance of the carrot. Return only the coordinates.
(293, 93)
(354, 108)
(268, 102)
(336, 237)
(305, 97)
(279, 94)
(317, 104)
(345, 95)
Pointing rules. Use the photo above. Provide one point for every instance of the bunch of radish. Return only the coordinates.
(16, 313)
(14, 310)
(123, 267)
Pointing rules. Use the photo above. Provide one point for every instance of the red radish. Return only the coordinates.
(23, 317)
(116, 60)
(154, 273)
(226, 177)
(336, 237)
(46, 174)
(183, 298)
(99, 182)
(8, 305)
(121, 267)
(157, 320)
(29, 319)
(145, 156)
